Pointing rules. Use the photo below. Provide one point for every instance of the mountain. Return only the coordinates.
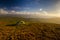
(28, 18)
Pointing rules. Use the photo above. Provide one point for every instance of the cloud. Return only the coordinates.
(40, 14)
(43, 12)
(16, 7)
(12, 12)
(58, 11)
(58, 5)
(20, 8)
(2, 11)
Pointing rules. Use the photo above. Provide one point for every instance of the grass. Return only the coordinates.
(28, 31)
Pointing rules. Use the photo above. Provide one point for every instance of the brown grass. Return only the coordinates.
(32, 31)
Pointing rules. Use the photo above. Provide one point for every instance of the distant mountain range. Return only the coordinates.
(28, 18)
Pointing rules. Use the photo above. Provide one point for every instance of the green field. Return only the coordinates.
(31, 30)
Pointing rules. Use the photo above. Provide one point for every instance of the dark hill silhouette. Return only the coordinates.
(15, 24)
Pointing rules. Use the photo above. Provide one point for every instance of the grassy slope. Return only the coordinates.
(28, 31)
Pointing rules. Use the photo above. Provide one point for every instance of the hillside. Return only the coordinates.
(31, 30)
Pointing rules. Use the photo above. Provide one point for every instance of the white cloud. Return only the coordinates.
(58, 11)
(16, 7)
(58, 5)
(45, 12)
(25, 8)
(20, 8)
(37, 14)
(2, 11)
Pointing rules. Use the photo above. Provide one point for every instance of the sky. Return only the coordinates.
(33, 5)
(40, 7)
